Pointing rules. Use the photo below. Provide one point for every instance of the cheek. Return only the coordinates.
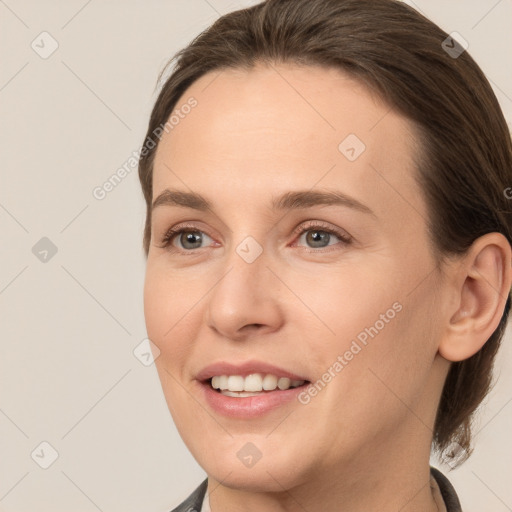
(386, 367)
(347, 302)
(168, 317)
(168, 302)
(380, 347)
(169, 327)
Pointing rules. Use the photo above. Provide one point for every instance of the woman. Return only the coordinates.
(328, 255)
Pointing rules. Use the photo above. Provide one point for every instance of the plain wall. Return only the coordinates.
(69, 325)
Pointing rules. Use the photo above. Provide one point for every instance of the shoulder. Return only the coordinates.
(195, 501)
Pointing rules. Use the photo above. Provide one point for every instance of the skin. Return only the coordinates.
(363, 443)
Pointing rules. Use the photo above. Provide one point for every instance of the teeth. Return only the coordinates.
(220, 382)
(241, 394)
(235, 383)
(283, 383)
(253, 383)
(269, 382)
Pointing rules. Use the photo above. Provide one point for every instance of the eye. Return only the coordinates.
(316, 234)
(319, 235)
(189, 237)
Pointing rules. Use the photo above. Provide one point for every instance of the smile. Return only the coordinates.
(249, 404)
(251, 385)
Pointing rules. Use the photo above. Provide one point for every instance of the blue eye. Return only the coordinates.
(319, 235)
(187, 235)
(319, 238)
(191, 238)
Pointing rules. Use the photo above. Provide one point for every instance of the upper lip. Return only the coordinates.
(244, 369)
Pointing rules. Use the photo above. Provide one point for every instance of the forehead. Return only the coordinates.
(284, 127)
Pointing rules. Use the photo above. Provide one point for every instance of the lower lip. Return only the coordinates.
(249, 406)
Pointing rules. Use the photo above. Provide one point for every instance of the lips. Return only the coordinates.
(246, 368)
(247, 405)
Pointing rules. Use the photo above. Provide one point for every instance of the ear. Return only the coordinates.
(482, 287)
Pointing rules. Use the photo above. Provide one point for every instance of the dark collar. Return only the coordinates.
(194, 502)
(451, 500)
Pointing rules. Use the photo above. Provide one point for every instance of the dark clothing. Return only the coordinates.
(194, 502)
(451, 500)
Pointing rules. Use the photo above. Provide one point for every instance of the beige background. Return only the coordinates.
(69, 326)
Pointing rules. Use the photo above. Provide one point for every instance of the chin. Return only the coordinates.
(270, 473)
(256, 480)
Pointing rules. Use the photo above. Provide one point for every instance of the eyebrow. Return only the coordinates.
(292, 200)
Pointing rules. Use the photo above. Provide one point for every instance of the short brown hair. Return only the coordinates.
(466, 153)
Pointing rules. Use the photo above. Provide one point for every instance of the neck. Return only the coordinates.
(402, 484)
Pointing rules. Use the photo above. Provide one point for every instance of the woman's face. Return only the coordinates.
(341, 293)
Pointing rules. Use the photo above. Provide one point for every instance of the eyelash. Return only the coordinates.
(308, 226)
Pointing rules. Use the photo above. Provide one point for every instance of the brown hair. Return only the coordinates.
(465, 161)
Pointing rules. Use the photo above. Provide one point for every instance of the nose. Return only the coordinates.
(246, 300)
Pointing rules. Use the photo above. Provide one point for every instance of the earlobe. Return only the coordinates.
(484, 280)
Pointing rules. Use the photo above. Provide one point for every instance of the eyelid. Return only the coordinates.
(309, 225)
(176, 230)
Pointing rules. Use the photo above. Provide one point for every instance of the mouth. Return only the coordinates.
(249, 389)
(255, 384)
(242, 397)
